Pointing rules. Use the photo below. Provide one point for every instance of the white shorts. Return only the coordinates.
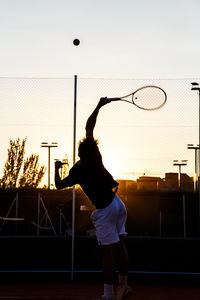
(109, 222)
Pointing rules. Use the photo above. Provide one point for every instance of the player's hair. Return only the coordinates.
(88, 150)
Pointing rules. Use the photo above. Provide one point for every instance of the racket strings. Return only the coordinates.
(149, 98)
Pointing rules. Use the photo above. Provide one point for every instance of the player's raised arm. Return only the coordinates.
(91, 122)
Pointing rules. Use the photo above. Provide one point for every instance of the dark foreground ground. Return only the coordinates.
(75, 291)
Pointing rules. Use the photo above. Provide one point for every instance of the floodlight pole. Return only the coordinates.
(74, 188)
(179, 164)
(46, 145)
(196, 179)
(196, 87)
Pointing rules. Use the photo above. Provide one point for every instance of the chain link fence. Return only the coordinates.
(132, 141)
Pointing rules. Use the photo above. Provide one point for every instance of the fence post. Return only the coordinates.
(74, 188)
(160, 223)
(184, 217)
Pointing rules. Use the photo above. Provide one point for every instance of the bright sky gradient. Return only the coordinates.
(126, 39)
(143, 38)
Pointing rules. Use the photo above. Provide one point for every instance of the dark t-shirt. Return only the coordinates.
(95, 180)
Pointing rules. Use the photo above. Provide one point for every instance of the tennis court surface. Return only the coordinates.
(73, 291)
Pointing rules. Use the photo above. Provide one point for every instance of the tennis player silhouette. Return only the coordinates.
(109, 217)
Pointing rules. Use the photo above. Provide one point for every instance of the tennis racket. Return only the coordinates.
(148, 97)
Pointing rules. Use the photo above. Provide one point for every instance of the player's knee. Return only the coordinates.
(107, 257)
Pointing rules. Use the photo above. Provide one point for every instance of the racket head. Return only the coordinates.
(149, 97)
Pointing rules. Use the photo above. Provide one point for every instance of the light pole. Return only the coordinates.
(49, 146)
(196, 87)
(196, 176)
(179, 164)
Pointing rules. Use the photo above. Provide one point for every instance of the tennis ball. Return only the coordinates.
(76, 42)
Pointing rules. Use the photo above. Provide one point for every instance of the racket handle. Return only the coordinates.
(63, 163)
(114, 99)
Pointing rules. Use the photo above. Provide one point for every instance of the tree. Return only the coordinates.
(20, 172)
(32, 175)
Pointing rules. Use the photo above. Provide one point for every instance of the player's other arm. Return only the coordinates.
(62, 183)
(58, 181)
(91, 122)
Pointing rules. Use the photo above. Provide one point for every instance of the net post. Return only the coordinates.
(184, 216)
(74, 188)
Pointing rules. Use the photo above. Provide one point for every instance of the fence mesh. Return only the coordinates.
(132, 141)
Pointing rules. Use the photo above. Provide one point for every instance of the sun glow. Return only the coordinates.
(117, 168)
(113, 167)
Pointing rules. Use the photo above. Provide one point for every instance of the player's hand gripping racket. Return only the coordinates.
(148, 97)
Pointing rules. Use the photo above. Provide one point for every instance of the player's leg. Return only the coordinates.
(121, 258)
(121, 255)
(108, 265)
(104, 221)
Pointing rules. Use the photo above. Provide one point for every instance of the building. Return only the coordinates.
(171, 182)
(153, 183)
(149, 183)
(126, 186)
